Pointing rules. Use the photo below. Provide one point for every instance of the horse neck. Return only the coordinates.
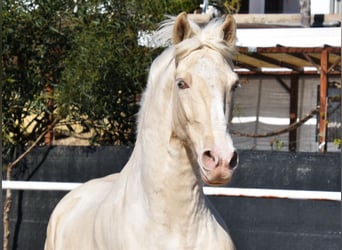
(168, 182)
(166, 171)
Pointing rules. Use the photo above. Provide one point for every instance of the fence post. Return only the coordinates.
(293, 112)
(323, 90)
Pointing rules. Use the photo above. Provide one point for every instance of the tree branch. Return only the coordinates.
(8, 200)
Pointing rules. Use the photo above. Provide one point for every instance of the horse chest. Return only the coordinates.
(199, 233)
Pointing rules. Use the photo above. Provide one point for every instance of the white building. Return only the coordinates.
(280, 85)
(290, 6)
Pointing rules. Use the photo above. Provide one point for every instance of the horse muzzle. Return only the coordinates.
(217, 170)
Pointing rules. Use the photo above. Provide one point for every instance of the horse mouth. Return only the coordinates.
(215, 179)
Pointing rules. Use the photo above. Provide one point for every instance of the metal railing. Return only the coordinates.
(216, 191)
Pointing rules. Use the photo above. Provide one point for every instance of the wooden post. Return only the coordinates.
(293, 112)
(49, 116)
(323, 92)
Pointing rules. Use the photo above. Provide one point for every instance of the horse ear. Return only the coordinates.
(181, 28)
(229, 29)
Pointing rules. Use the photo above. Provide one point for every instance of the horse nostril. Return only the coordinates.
(210, 155)
(234, 160)
(209, 159)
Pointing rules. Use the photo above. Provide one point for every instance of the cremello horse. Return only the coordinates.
(157, 200)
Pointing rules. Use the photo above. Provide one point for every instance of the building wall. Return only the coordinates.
(290, 6)
(325, 7)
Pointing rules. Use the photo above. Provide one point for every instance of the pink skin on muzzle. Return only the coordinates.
(216, 170)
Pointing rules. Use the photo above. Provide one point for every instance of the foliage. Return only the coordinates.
(87, 52)
(277, 143)
(107, 70)
(337, 142)
(31, 36)
(227, 6)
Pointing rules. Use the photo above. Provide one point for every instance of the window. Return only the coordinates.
(244, 7)
(273, 6)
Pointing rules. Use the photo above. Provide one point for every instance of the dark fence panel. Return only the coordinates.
(255, 223)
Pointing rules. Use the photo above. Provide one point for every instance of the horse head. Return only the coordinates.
(202, 88)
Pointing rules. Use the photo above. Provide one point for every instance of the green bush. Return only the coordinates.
(87, 54)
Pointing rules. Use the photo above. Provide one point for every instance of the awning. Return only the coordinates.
(294, 52)
(287, 51)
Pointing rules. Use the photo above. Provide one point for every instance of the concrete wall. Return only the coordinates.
(264, 224)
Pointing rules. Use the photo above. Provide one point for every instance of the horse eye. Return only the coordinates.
(235, 86)
(182, 85)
